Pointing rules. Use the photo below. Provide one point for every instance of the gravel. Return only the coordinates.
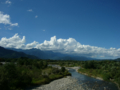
(68, 83)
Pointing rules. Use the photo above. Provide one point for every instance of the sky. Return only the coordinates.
(88, 28)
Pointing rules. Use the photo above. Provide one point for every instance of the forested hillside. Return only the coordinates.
(6, 53)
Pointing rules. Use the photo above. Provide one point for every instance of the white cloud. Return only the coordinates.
(31, 45)
(13, 42)
(9, 28)
(71, 46)
(36, 16)
(68, 46)
(43, 30)
(30, 10)
(5, 19)
(16, 42)
(8, 2)
(0, 28)
(15, 24)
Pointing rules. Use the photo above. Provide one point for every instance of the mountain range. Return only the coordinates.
(50, 54)
(39, 54)
(6, 53)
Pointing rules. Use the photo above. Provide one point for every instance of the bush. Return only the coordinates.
(106, 77)
(12, 78)
(89, 65)
(55, 70)
(8, 77)
(63, 69)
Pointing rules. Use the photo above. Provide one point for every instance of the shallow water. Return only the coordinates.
(92, 82)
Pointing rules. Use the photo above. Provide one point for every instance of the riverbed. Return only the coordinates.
(77, 82)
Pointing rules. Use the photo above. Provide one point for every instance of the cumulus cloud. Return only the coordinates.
(67, 46)
(30, 10)
(31, 45)
(71, 46)
(5, 19)
(8, 2)
(13, 42)
(16, 42)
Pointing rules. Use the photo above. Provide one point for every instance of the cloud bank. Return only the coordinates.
(68, 46)
(5, 19)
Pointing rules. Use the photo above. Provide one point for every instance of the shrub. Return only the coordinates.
(106, 77)
(63, 69)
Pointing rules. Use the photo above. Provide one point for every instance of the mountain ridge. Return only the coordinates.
(7, 53)
(51, 55)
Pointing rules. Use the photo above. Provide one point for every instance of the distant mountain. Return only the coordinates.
(36, 52)
(70, 58)
(118, 59)
(51, 55)
(6, 53)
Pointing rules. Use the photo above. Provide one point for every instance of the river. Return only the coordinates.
(76, 82)
(92, 82)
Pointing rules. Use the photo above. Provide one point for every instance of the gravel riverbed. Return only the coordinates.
(68, 83)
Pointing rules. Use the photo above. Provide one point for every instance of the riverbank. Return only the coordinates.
(70, 83)
(91, 76)
(65, 83)
(75, 68)
(95, 76)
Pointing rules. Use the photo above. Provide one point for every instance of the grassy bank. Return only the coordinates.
(92, 73)
(104, 70)
(96, 74)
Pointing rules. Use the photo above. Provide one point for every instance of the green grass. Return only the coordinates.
(40, 81)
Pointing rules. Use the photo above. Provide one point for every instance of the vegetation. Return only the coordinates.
(22, 72)
(19, 73)
(108, 70)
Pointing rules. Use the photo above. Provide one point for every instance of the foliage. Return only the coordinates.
(23, 72)
(63, 69)
(108, 70)
(19, 73)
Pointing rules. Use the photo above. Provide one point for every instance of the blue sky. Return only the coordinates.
(91, 23)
